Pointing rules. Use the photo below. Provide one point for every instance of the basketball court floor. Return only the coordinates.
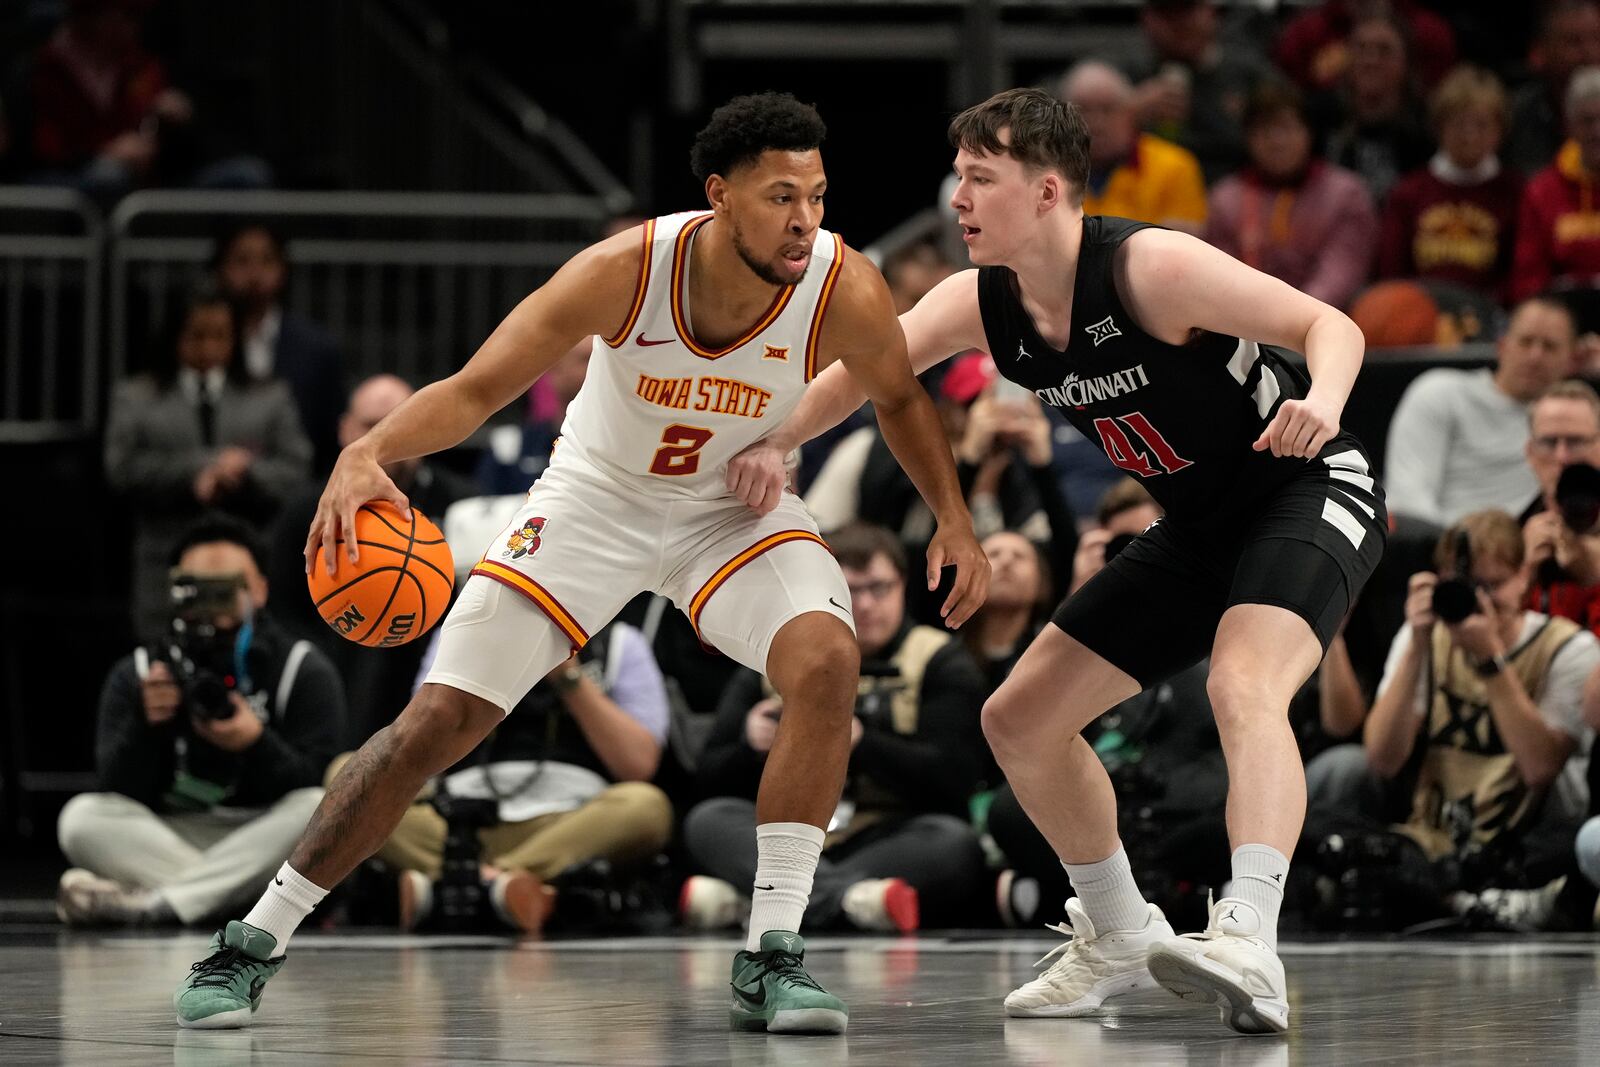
(934, 999)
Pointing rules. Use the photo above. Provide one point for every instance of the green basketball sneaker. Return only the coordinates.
(773, 992)
(224, 989)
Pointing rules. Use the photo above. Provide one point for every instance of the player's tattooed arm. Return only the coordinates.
(592, 293)
(1175, 284)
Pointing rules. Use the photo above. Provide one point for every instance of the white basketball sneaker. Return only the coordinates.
(1228, 964)
(1092, 967)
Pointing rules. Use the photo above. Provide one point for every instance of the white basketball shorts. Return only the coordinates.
(585, 544)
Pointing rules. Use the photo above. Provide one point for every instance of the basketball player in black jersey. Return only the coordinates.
(1171, 355)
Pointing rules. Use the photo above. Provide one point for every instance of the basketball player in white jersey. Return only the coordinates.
(1171, 354)
(708, 327)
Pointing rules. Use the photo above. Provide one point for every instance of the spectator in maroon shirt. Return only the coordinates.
(106, 118)
(99, 96)
(1455, 219)
(1314, 46)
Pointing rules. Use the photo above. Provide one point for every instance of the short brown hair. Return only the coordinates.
(1570, 389)
(1045, 133)
(858, 544)
(1549, 300)
(1271, 98)
(1491, 534)
(1465, 88)
(1123, 496)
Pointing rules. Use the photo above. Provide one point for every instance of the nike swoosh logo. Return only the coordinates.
(278, 880)
(758, 997)
(642, 343)
(767, 888)
(1277, 878)
(838, 605)
(256, 987)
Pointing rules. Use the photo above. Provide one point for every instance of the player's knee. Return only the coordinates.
(825, 667)
(1239, 695)
(1001, 718)
(440, 723)
(82, 824)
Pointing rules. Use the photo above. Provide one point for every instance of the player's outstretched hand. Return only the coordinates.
(1300, 428)
(959, 548)
(357, 478)
(757, 476)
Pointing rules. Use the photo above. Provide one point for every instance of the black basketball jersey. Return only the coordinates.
(1180, 417)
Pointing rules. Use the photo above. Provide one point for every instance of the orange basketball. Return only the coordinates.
(396, 590)
(1396, 314)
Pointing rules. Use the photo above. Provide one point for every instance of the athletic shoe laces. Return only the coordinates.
(1074, 952)
(219, 968)
(788, 966)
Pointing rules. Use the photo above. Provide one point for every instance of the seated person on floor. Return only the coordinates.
(210, 750)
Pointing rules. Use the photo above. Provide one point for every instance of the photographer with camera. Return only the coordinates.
(899, 850)
(1125, 511)
(1483, 699)
(1559, 526)
(211, 746)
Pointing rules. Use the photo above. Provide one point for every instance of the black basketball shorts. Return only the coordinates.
(1311, 546)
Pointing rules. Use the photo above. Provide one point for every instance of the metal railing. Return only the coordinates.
(51, 242)
(408, 283)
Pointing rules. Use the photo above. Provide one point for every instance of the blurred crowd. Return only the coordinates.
(1349, 151)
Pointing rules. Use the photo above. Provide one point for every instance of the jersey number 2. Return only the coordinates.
(1156, 457)
(680, 449)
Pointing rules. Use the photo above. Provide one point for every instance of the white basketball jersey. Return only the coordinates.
(666, 413)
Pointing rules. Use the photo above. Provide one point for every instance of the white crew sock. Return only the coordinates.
(288, 900)
(1259, 872)
(1109, 895)
(786, 861)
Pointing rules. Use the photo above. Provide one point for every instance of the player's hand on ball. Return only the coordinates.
(1300, 428)
(959, 548)
(757, 476)
(357, 478)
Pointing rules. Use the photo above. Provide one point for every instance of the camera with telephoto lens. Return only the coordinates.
(1456, 595)
(202, 643)
(1578, 497)
(460, 899)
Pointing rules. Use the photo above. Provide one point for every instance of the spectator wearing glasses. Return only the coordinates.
(1562, 547)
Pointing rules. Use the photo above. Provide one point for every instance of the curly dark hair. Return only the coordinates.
(746, 126)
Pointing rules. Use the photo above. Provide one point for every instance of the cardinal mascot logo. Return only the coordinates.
(524, 541)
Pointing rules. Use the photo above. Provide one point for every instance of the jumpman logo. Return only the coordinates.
(1022, 353)
(1229, 917)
